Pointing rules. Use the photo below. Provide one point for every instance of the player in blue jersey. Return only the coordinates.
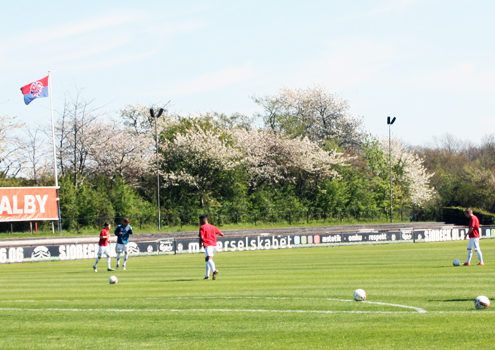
(122, 232)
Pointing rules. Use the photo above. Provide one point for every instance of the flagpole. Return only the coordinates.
(55, 171)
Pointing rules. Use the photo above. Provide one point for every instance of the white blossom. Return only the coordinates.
(312, 112)
(412, 172)
(272, 157)
(119, 150)
(138, 119)
(199, 153)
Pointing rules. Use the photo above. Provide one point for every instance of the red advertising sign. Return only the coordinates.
(28, 204)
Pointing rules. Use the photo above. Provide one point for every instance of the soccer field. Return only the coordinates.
(281, 299)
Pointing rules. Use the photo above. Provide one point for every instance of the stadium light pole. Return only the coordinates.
(390, 121)
(158, 207)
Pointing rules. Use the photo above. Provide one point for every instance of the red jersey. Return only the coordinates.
(208, 234)
(474, 223)
(104, 237)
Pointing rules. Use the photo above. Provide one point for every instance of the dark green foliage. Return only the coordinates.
(360, 192)
(9, 182)
(229, 194)
(98, 200)
(455, 215)
(463, 177)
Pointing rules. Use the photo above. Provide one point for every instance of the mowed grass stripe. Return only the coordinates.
(418, 275)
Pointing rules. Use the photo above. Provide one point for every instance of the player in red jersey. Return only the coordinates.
(474, 238)
(208, 239)
(104, 247)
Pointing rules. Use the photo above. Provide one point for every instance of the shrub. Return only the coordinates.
(455, 215)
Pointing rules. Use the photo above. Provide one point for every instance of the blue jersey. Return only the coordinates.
(122, 233)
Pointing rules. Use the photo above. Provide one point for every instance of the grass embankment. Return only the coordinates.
(173, 229)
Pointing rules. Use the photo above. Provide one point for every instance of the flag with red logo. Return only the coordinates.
(32, 91)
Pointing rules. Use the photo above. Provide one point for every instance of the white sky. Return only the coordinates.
(429, 63)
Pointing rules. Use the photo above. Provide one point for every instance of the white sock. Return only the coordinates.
(207, 272)
(109, 262)
(480, 255)
(469, 255)
(212, 265)
(125, 260)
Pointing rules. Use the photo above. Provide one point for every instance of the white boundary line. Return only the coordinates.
(223, 310)
(195, 310)
(419, 310)
(401, 306)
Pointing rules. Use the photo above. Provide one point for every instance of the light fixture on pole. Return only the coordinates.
(155, 117)
(390, 121)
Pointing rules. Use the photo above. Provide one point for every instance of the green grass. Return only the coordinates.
(161, 302)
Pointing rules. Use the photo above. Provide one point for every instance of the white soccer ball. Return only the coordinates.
(113, 280)
(481, 302)
(456, 262)
(360, 295)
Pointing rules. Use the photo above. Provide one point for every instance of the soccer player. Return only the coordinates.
(208, 239)
(122, 232)
(103, 247)
(474, 238)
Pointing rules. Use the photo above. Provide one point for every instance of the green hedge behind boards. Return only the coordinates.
(455, 215)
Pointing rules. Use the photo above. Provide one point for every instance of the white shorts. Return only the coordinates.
(210, 250)
(104, 250)
(121, 248)
(474, 243)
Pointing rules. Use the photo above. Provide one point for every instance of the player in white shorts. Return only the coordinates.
(122, 232)
(208, 239)
(104, 247)
(474, 238)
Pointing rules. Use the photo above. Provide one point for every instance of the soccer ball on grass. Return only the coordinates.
(113, 280)
(481, 302)
(456, 262)
(359, 295)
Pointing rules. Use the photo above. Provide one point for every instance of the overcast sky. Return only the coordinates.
(430, 63)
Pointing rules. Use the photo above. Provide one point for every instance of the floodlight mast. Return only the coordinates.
(390, 121)
(158, 206)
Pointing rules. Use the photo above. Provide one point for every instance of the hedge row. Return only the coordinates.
(455, 215)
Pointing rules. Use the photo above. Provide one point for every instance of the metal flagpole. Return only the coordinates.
(55, 170)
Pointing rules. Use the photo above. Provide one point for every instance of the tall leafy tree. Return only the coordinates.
(313, 113)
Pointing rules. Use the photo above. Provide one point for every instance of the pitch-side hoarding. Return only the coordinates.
(74, 249)
(28, 204)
